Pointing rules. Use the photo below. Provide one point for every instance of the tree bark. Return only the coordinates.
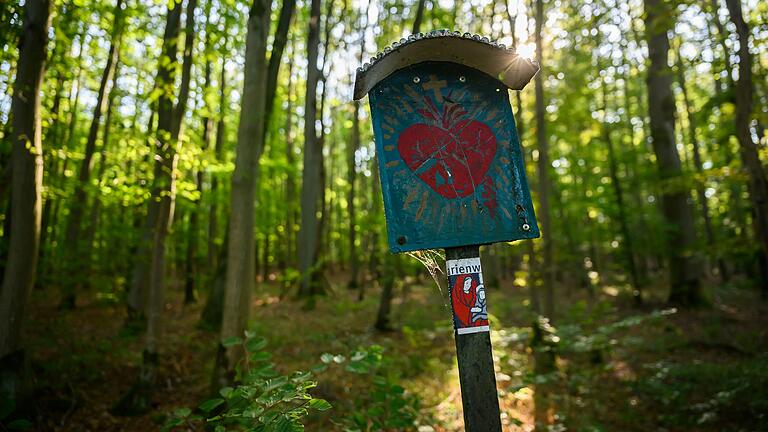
(313, 159)
(419, 17)
(291, 215)
(213, 219)
(698, 165)
(628, 247)
(240, 275)
(96, 203)
(74, 260)
(758, 183)
(276, 57)
(192, 262)
(25, 198)
(354, 144)
(543, 213)
(169, 118)
(685, 287)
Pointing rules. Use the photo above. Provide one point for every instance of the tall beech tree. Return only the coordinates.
(684, 267)
(758, 183)
(241, 254)
(26, 164)
(545, 267)
(311, 180)
(75, 260)
(169, 120)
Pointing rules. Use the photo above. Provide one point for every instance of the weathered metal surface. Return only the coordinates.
(475, 51)
(450, 161)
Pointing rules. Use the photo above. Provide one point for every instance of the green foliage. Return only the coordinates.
(263, 400)
(586, 335)
(387, 405)
(706, 394)
(7, 422)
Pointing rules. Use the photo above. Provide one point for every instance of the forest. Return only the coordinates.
(194, 234)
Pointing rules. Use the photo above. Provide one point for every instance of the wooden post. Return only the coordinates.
(473, 349)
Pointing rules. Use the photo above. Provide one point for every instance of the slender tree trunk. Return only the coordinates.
(290, 182)
(74, 260)
(25, 199)
(276, 57)
(169, 120)
(354, 144)
(685, 287)
(240, 276)
(213, 311)
(383, 323)
(721, 38)
(96, 203)
(628, 248)
(543, 214)
(758, 183)
(698, 165)
(419, 17)
(213, 219)
(313, 160)
(192, 265)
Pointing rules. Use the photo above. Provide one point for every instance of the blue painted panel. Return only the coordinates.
(450, 163)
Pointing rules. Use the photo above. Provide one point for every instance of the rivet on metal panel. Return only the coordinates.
(416, 80)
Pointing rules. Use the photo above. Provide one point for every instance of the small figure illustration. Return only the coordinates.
(469, 304)
(479, 311)
(464, 298)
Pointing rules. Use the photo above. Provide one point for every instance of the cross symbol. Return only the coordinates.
(435, 85)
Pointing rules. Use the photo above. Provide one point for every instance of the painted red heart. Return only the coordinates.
(453, 161)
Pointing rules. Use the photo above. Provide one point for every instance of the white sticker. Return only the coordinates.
(468, 300)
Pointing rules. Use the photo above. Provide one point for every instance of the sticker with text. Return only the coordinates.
(465, 281)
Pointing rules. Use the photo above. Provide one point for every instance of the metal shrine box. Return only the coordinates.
(449, 156)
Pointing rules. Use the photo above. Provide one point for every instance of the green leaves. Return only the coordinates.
(231, 341)
(210, 404)
(319, 404)
(262, 400)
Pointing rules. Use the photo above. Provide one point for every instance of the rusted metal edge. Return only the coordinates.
(479, 52)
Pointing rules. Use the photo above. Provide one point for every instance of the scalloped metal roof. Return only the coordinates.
(478, 52)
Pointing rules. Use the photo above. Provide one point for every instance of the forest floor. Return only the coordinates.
(618, 369)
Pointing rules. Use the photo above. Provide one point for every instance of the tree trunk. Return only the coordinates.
(313, 159)
(543, 214)
(628, 248)
(383, 323)
(290, 182)
(169, 117)
(685, 287)
(213, 219)
(96, 200)
(74, 260)
(213, 311)
(240, 276)
(276, 57)
(191, 266)
(419, 17)
(758, 183)
(354, 144)
(698, 165)
(25, 199)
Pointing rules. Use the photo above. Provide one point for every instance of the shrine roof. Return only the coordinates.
(475, 51)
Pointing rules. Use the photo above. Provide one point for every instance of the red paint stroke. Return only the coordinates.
(451, 156)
